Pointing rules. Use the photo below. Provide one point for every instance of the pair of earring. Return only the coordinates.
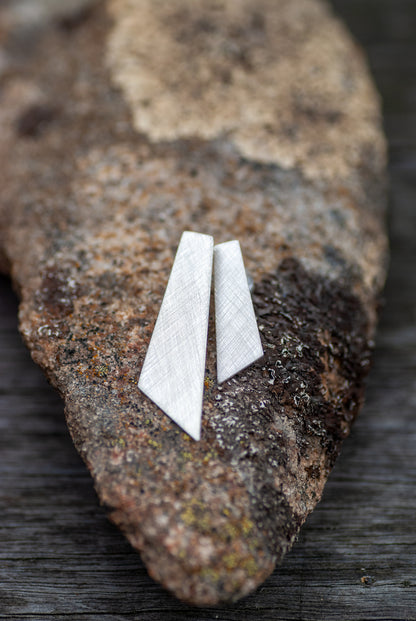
(174, 368)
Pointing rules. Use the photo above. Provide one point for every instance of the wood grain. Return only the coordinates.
(356, 557)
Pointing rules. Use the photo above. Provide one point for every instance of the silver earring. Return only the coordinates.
(174, 367)
(173, 371)
(237, 334)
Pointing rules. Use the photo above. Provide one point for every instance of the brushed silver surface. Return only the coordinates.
(174, 367)
(237, 334)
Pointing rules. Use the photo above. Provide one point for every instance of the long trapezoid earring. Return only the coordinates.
(173, 371)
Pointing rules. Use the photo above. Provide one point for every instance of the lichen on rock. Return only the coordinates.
(279, 78)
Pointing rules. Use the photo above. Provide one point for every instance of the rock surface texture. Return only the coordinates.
(124, 124)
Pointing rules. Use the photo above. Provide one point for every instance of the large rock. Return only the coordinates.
(247, 119)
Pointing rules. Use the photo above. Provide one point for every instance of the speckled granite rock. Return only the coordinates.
(243, 119)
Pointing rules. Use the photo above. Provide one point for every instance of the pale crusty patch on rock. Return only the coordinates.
(278, 77)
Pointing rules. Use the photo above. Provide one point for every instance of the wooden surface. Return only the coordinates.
(356, 557)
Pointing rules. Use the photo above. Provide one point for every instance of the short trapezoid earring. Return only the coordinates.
(237, 334)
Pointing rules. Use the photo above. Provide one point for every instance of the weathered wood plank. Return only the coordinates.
(61, 559)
